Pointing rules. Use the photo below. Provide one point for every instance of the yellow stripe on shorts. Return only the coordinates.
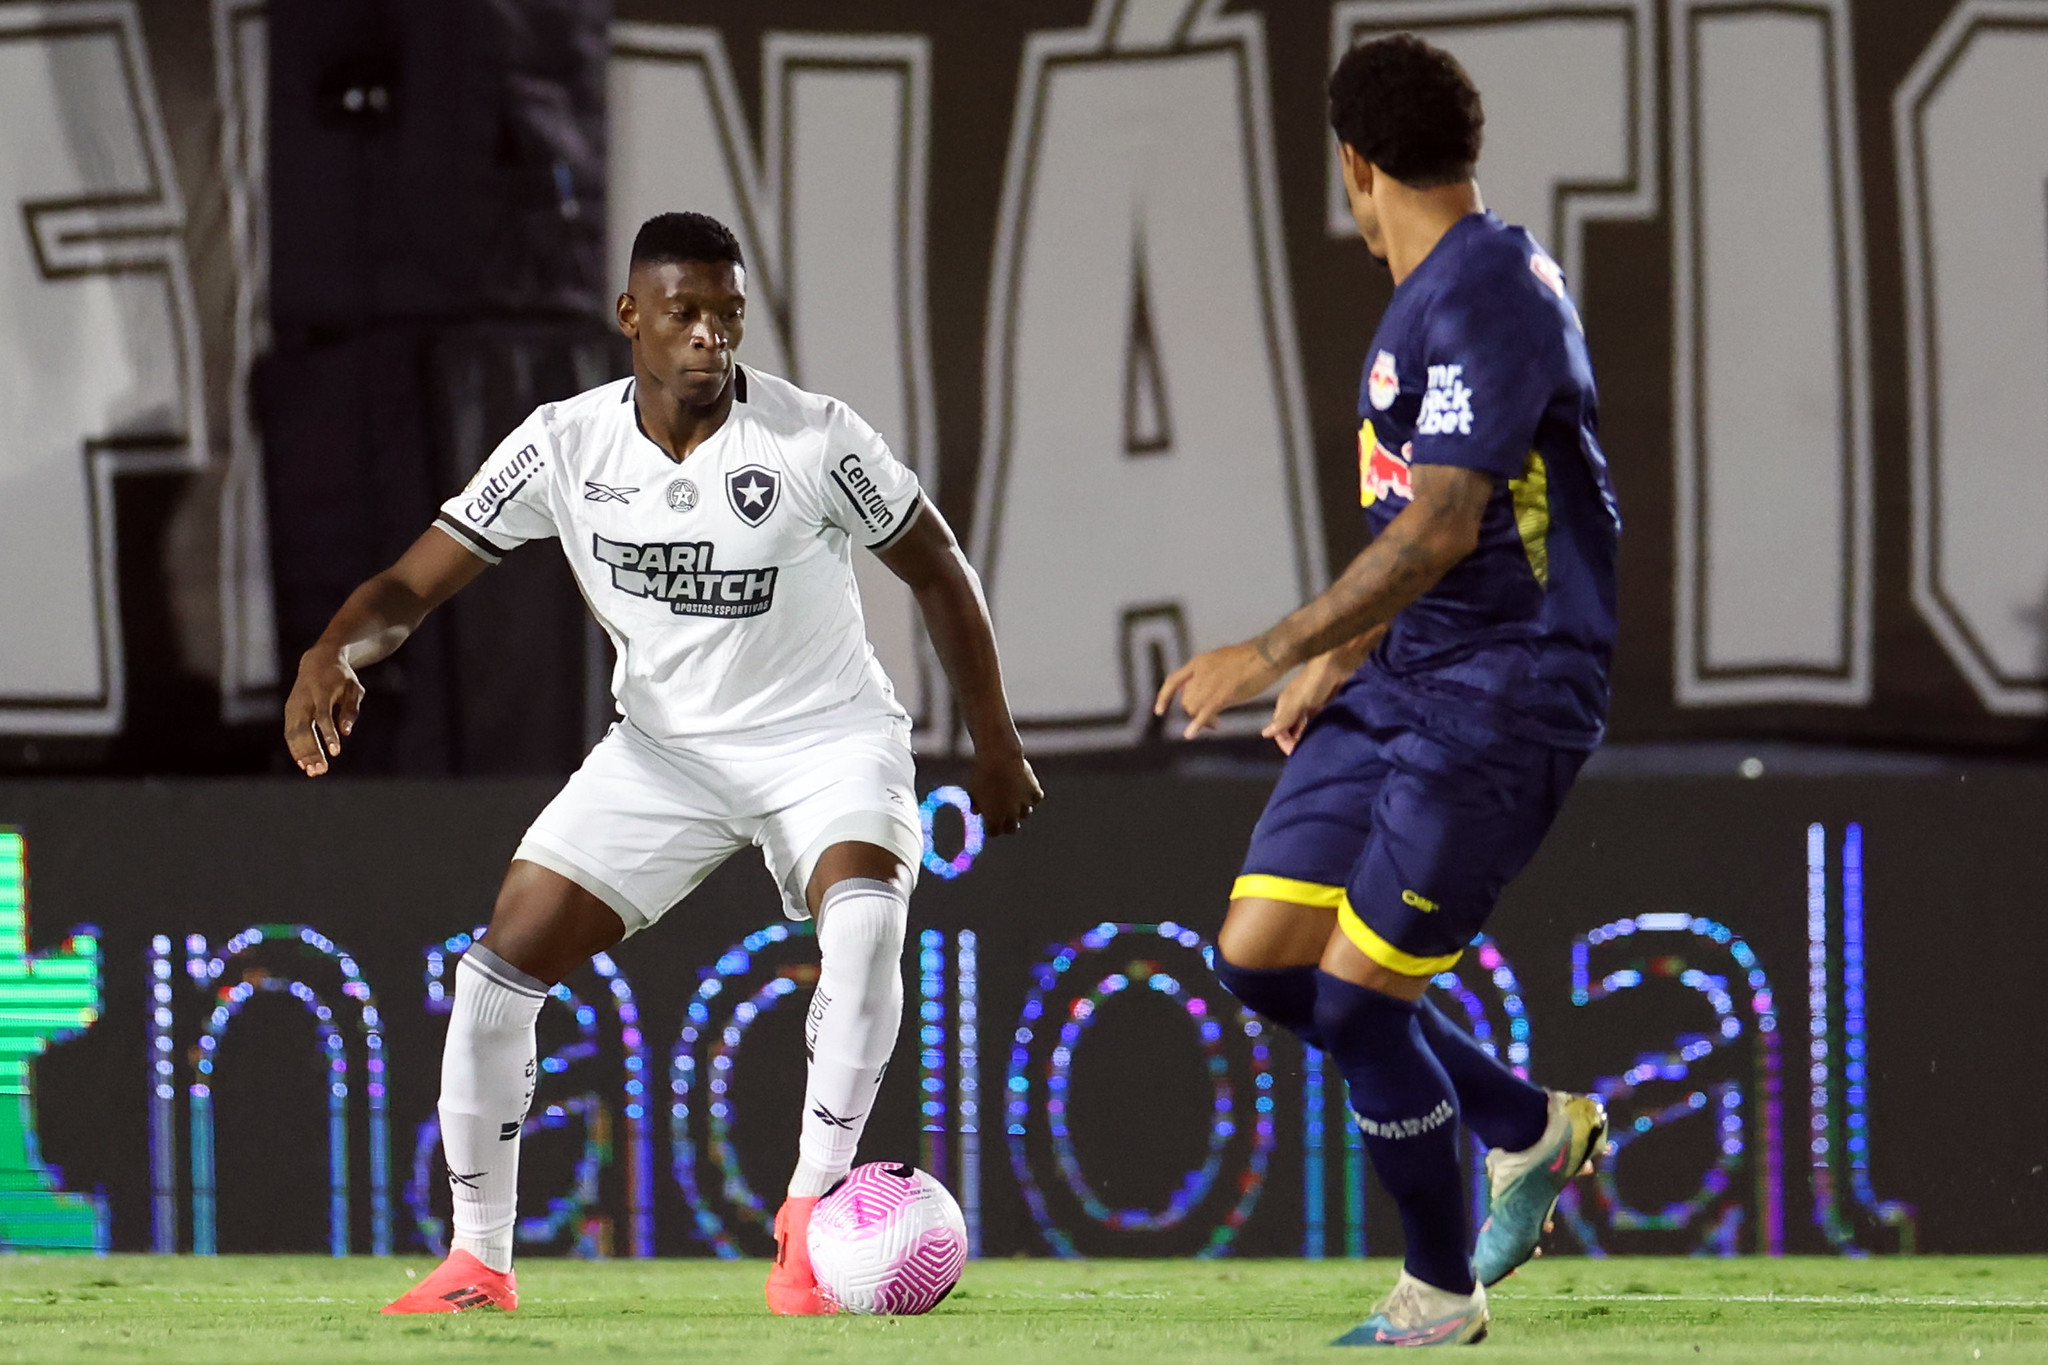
(1258, 885)
(1385, 953)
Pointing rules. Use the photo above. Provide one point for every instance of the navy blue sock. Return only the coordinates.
(1501, 1108)
(1408, 1112)
(1286, 995)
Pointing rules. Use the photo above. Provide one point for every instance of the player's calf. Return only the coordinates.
(850, 1032)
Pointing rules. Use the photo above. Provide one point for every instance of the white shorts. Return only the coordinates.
(642, 823)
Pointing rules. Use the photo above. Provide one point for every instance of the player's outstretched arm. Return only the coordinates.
(374, 622)
(948, 592)
(1435, 531)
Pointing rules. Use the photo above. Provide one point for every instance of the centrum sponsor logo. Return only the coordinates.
(499, 486)
(680, 574)
(868, 502)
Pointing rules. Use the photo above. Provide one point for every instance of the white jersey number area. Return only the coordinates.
(725, 582)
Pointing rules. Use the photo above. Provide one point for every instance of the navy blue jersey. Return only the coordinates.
(1480, 361)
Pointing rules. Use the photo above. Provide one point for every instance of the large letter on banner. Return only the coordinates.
(99, 362)
(1571, 135)
(1771, 410)
(1146, 488)
(1972, 146)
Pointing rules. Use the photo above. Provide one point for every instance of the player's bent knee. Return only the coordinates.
(853, 860)
(864, 919)
(1344, 960)
(1263, 934)
(546, 925)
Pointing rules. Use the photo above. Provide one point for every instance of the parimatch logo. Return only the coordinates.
(681, 575)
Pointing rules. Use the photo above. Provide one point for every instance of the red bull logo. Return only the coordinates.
(1382, 383)
(1381, 473)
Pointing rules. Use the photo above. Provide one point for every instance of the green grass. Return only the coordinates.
(273, 1309)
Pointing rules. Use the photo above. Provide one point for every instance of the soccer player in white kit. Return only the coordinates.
(710, 514)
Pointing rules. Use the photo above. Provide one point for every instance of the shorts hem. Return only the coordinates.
(1290, 890)
(1386, 954)
(561, 862)
(883, 828)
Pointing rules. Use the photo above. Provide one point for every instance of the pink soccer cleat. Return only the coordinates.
(792, 1288)
(458, 1284)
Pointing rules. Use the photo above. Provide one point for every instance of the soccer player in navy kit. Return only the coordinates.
(1452, 682)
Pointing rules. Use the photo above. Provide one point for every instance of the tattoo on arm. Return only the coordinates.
(1422, 544)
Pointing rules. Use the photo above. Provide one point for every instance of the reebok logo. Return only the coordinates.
(826, 1116)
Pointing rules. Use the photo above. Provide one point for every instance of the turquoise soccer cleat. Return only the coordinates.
(1525, 1185)
(1418, 1314)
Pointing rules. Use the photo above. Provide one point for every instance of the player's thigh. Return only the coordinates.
(1456, 820)
(844, 803)
(546, 925)
(1318, 820)
(637, 827)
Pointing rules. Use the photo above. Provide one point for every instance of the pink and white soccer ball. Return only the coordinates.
(887, 1239)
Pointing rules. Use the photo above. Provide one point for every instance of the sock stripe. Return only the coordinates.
(502, 973)
(857, 886)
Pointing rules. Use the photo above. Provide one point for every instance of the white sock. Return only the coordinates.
(851, 1027)
(487, 1070)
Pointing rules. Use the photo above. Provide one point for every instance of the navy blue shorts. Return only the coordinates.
(1407, 824)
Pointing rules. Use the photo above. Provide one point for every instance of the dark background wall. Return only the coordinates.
(1954, 865)
(419, 274)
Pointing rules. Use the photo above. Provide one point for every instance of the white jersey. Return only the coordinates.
(725, 581)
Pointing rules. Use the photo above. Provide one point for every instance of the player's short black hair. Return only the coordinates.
(1408, 107)
(685, 237)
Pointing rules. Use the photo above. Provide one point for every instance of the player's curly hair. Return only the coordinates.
(685, 237)
(1408, 107)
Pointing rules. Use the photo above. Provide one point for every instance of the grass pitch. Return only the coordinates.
(275, 1309)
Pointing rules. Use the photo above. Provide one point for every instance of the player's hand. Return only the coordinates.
(1210, 684)
(321, 709)
(1298, 703)
(1002, 789)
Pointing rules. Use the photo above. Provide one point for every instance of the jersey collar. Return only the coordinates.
(739, 395)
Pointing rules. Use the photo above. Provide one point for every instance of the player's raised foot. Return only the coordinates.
(1419, 1314)
(459, 1284)
(1524, 1186)
(792, 1288)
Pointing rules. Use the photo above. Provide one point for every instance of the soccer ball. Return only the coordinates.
(887, 1239)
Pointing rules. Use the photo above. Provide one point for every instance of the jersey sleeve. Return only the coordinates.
(506, 503)
(869, 493)
(1491, 368)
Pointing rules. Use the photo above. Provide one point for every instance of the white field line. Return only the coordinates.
(1836, 1300)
